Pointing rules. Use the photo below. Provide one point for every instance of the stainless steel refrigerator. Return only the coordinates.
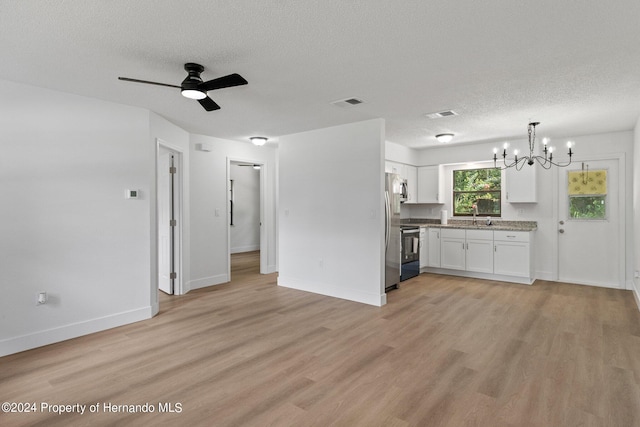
(394, 194)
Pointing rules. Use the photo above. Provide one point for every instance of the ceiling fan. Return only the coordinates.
(193, 87)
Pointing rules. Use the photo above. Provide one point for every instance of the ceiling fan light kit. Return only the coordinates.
(193, 87)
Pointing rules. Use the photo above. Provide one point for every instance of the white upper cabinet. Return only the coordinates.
(521, 184)
(408, 173)
(392, 167)
(430, 184)
(411, 175)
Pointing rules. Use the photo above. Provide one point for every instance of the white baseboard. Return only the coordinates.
(271, 269)
(206, 281)
(74, 330)
(302, 284)
(241, 249)
(476, 275)
(636, 293)
(546, 275)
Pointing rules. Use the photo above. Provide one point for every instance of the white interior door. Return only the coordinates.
(165, 215)
(589, 240)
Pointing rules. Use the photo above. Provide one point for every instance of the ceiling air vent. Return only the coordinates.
(348, 102)
(439, 114)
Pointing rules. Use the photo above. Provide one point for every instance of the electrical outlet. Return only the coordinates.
(520, 212)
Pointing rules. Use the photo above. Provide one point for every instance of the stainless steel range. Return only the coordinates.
(410, 260)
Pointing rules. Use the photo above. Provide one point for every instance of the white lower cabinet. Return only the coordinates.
(452, 249)
(512, 255)
(489, 254)
(433, 245)
(479, 254)
(424, 250)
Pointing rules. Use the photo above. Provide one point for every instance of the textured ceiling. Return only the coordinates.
(572, 65)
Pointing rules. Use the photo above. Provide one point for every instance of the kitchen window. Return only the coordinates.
(479, 188)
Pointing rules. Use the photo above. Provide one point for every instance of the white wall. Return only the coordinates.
(545, 211)
(636, 209)
(245, 231)
(400, 154)
(209, 203)
(66, 227)
(331, 222)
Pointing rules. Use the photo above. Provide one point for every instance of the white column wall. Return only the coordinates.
(67, 228)
(331, 217)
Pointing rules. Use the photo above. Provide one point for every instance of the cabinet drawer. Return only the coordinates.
(511, 236)
(456, 233)
(480, 234)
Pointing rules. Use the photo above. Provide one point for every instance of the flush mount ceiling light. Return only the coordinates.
(444, 137)
(545, 161)
(258, 140)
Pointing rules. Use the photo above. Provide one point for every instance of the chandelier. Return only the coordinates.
(545, 161)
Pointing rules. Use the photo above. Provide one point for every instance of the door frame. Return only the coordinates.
(622, 213)
(178, 192)
(264, 255)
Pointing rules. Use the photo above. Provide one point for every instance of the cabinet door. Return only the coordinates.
(411, 175)
(521, 184)
(480, 256)
(452, 253)
(391, 167)
(511, 259)
(433, 252)
(429, 185)
(423, 247)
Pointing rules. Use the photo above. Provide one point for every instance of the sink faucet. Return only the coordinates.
(475, 212)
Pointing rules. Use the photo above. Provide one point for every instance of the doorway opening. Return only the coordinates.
(245, 212)
(169, 219)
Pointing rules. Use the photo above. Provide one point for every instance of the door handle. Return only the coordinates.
(561, 222)
(561, 231)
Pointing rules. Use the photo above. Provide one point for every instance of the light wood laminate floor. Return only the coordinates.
(444, 351)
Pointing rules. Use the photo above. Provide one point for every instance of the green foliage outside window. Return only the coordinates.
(587, 207)
(480, 187)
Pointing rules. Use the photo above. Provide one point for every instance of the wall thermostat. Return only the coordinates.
(132, 194)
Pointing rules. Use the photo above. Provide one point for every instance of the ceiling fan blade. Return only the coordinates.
(127, 79)
(222, 82)
(208, 104)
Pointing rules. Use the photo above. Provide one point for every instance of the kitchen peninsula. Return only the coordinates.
(501, 251)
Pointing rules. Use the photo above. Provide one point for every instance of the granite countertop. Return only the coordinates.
(497, 224)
